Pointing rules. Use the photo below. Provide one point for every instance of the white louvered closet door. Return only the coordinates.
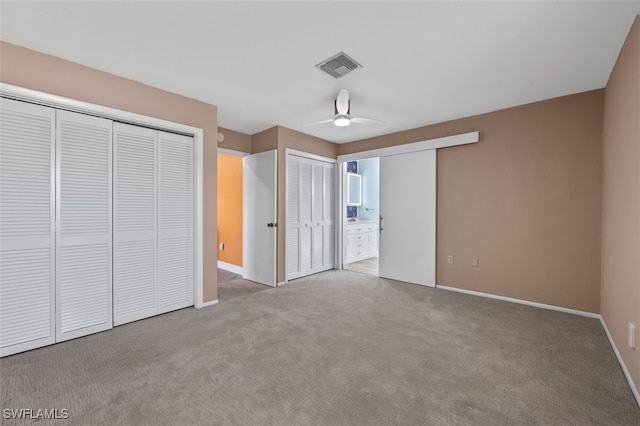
(306, 199)
(135, 284)
(175, 214)
(317, 210)
(328, 214)
(293, 216)
(83, 211)
(27, 239)
(310, 216)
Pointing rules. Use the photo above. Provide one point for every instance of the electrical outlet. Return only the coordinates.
(450, 260)
(631, 330)
(474, 262)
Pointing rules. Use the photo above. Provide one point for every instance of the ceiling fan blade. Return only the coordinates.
(362, 120)
(342, 102)
(318, 122)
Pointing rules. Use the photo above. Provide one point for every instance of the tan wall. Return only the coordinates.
(525, 200)
(30, 69)
(620, 293)
(235, 141)
(264, 141)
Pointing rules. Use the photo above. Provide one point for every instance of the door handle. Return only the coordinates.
(272, 225)
(381, 228)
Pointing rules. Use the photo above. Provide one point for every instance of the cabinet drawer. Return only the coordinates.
(359, 237)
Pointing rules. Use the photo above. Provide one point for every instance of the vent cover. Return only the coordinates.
(338, 65)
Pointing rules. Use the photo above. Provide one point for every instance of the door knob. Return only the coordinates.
(272, 225)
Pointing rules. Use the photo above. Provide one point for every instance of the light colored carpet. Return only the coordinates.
(232, 285)
(334, 348)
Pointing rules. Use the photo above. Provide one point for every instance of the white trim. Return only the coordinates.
(232, 152)
(340, 205)
(198, 139)
(210, 303)
(230, 267)
(625, 371)
(520, 301)
(41, 98)
(281, 283)
(627, 375)
(444, 142)
(290, 151)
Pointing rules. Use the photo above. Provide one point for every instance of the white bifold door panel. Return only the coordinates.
(408, 189)
(153, 222)
(96, 224)
(310, 216)
(175, 221)
(83, 211)
(259, 198)
(135, 276)
(27, 233)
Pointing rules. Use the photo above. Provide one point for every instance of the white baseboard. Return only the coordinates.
(634, 390)
(520, 301)
(281, 283)
(210, 303)
(231, 268)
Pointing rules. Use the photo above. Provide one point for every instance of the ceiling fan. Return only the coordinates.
(343, 116)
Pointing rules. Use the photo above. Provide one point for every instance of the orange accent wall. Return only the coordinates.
(230, 208)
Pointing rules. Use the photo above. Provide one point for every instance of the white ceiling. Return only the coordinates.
(424, 62)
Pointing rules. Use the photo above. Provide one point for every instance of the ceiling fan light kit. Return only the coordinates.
(342, 120)
(342, 117)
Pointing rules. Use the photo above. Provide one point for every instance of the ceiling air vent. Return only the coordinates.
(338, 65)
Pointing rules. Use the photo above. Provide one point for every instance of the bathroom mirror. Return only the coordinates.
(354, 189)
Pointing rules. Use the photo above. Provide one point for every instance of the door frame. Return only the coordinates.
(443, 142)
(220, 264)
(297, 153)
(60, 102)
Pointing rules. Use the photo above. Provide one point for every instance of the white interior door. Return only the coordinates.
(83, 246)
(135, 290)
(408, 217)
(259, 197)
(27, 233)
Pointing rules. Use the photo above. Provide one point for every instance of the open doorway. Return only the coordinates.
(407, 207)
(361, 216)
(244, 181)
(229, 226)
